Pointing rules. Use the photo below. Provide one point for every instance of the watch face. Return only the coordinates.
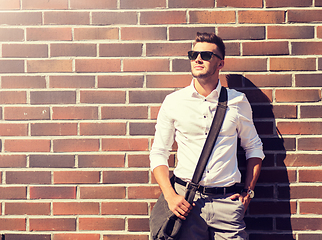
(251, 193)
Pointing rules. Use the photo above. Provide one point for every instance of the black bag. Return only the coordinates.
(164, 224)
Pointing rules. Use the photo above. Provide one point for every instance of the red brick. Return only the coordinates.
(242, 33)
(52, 97)
(240, 4)
(124, 208)
(31, 236)
(213, 17)
(187, 33)
(167, 49)
(52, 224)
(143, 192)
(88, 129)
(318, 3)
(245, 65)
(11, 193)
(168, 81)
(27, 208)
(310, 175)
(76, 145)
(289, 3)
(12, 97)
(102, 96)
(24, 50)
(115, 18)
(146, 65)
(27, 145)
(74, 113)
(92, 33)
(66, 18)
(26, 113)
(319, 31)
(280, 176)
(307, 48)
(138, 161)
(286, 95)
(304, 224)
(308, 80)
(66, 177)
(73, 50)
(311, 111)
(253, 16)
(269, 80)
(126, 81)
(292, 64)
(101, 161)
(47, 66)
(9, 5)
(142, 129)
(308, 236)
(300, 160)
(20, 18)
(123, 144)
(300, 128)
(310, 144)
(181, 65)
(148, 96)
(53, 129)
(75, 208)
(102, 192)
(304, 16)
(49, 192)
(94, 4)
(13, 224)
(120, 50)
(51, 161)
(311, 208)
(290, 32)
(28, 177)
(285, 111)
(49, 34)
(44, 4)
(126, 112)
(13, 161)
(72, 81)
(11, 66)
(115, 177)
(265, 48)
(23, 82)
(138, 224)
(170, 17)
(125, 237)
(7, 129)
(76, 236)
(300, 192)
(276, 208)
(101, 224)
(191, 4)
(143, 33)
(98, 65)
(11, 34)
(141, 4)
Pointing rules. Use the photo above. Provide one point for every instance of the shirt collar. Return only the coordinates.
(213, 96)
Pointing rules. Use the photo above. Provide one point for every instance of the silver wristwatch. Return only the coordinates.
(250, 192)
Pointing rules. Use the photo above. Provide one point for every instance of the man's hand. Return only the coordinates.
(243, 198)
(179, 206)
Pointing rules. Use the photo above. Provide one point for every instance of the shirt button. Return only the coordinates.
(206, 133)
(204, 116)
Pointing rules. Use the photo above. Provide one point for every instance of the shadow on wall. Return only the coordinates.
(269, 214)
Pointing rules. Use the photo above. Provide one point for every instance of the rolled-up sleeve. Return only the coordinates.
(163, 139)
(247, 133)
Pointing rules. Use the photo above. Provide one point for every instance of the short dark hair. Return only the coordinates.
(212, 38)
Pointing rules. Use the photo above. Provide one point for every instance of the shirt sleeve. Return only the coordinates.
(247, 133)
(163, 139)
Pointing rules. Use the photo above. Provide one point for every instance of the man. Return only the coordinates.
(186, 116)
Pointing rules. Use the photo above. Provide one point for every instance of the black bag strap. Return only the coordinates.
(209, 144)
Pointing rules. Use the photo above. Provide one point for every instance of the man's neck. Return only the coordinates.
(204, 88)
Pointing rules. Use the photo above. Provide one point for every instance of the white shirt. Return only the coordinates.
(186, 116)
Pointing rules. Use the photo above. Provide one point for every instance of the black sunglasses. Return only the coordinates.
(192, 55)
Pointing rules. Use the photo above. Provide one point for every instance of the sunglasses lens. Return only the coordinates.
(205, 56)
(192, 55)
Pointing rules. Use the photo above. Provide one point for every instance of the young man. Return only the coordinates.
(186, 116)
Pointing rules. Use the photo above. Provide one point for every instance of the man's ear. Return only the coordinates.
(221, 64)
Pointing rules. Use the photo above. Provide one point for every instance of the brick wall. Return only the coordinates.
(81, 86)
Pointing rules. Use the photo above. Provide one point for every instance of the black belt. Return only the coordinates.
(209, 190)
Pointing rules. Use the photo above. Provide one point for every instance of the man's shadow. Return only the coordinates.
(269, 214)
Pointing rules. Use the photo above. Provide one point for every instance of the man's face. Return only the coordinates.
(201, 68)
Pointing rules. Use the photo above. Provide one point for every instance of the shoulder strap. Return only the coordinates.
(211, 140)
